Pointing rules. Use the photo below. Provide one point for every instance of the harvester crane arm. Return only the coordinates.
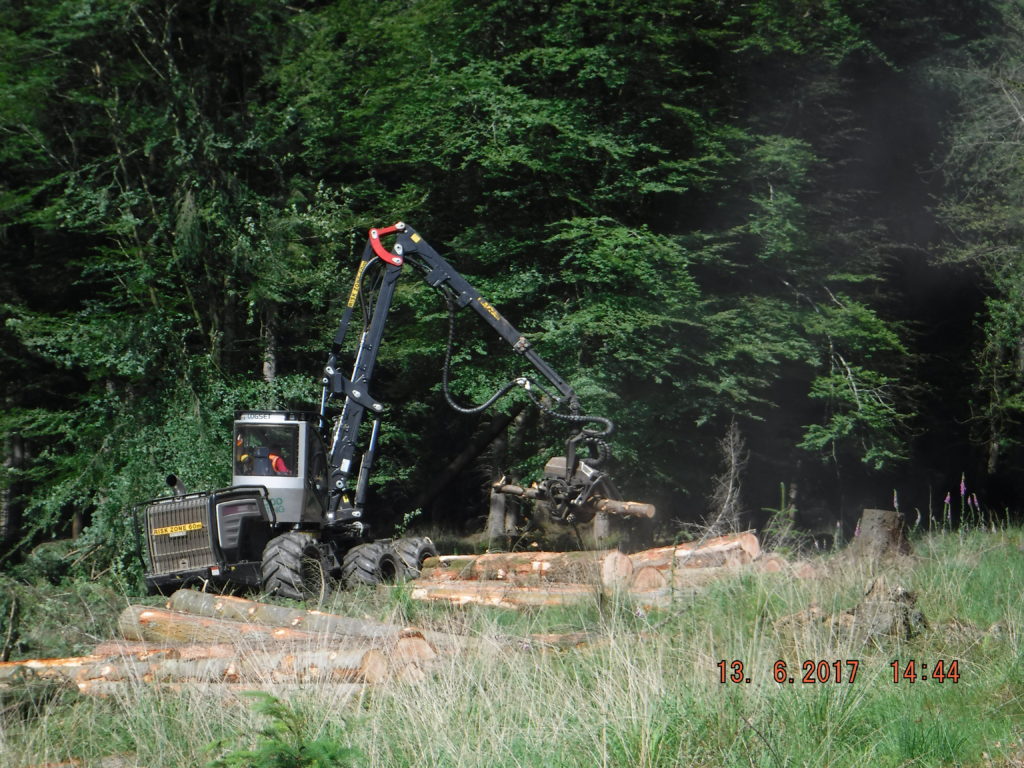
(574, 487)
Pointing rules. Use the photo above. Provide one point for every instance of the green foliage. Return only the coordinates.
(674, 200)
(982, 211)
(286, 742)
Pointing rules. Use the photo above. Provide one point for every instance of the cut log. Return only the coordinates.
(145, 651)
(412, 648)
(564, 640)
(315, 623)
(647, 579)
(454, 563)
(880, 533)
(64, 668)
(616, 569)
(338, 665)
(693, 580)
(772, 563)
(138, 622)
(600, 567)
(731, 550)
(264, 614)
(504, 595)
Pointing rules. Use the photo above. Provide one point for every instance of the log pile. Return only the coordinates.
(652, 578)
(229, 644)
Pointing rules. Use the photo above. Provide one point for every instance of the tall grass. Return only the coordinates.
(646, 692)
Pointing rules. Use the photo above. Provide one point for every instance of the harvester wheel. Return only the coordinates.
(412, 551)
(292, 568)
(371, 563)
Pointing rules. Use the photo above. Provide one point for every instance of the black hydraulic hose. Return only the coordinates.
(587, 436)
(445, 370)
(591, 437)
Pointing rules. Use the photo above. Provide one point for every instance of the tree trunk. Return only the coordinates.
(269, 334)
(10, 503)
(475, 447)
(496, 533)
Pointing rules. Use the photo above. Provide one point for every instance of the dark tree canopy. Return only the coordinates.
(795, 220)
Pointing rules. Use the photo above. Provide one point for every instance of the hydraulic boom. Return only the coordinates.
(574, 487)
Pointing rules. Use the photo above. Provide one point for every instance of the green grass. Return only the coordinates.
(646, 693)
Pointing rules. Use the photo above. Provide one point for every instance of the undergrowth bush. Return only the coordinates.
(286, 742)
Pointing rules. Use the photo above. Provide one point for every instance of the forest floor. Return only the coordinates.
(758, 669)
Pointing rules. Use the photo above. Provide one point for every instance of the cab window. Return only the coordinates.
(267, 450)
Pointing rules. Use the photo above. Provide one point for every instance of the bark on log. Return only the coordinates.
(733, 550)
(139, 622)
(338, 665)
(608, 567)
(144, 651)
(45, 668)
(315, 623)
(506, 595)
(880, 533)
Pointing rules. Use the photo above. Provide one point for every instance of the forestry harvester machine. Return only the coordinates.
(295, 516)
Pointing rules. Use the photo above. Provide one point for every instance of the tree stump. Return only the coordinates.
(880, 533)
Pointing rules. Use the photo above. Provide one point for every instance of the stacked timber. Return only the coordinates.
(229, 644)
(652, 578)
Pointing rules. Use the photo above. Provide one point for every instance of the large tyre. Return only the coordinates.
(292, 568)
(412, 551)
(371, 563)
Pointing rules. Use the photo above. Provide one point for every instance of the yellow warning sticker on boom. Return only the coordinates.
(167, 530)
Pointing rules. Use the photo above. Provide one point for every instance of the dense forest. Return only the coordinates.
(777, 242)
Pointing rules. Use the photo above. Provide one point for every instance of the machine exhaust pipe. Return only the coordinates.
(179, 487)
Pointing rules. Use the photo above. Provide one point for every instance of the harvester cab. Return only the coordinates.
(283, 452)
(296, 516)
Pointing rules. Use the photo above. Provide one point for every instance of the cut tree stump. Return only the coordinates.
(880, 533)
